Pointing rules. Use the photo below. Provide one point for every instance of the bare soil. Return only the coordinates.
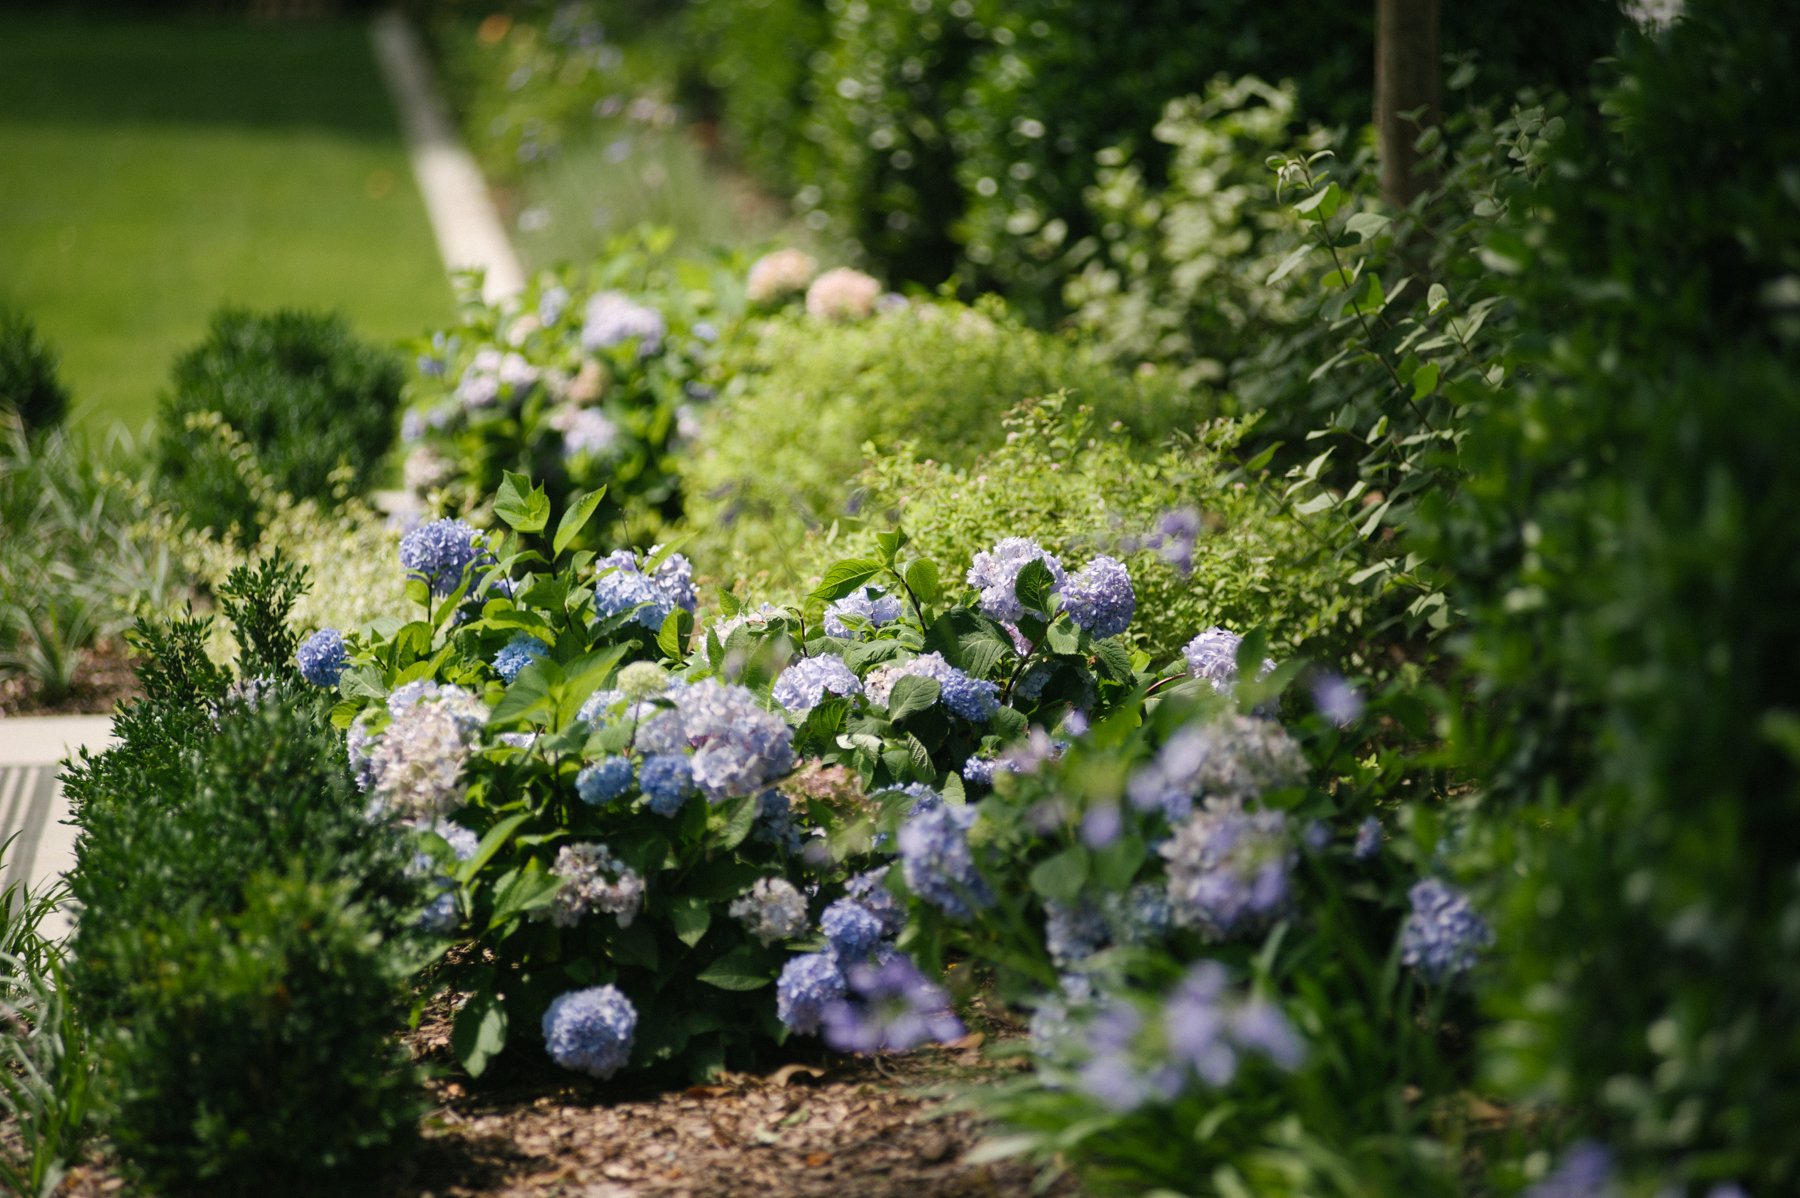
(102, 679)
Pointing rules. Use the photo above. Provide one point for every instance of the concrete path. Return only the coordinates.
(32, 806)
(469, 232)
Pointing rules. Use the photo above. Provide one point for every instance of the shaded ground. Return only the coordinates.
(102, 678)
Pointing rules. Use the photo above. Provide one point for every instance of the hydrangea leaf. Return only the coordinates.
(479, 1033)
(743, 968)
(844, 577)
(691, 916)
(1061, 877)
(580, 511)
(912, 694)
(1034, 585)
(524, 507)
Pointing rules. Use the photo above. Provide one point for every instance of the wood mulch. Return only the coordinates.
(102, 679)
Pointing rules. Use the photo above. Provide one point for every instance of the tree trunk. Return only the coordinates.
(1406, 91)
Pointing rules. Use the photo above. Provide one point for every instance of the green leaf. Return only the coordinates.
(672, 639)
(889, 544)
(1437, 298)
(490, 844)
(1367, 225)
(912, 694)
(1321, 205)
(580, 511)
(1288, 264)
(922, 576)
(1033, 586)
(743, 968)
(738, 822)
(1425, 380)
(527, 696)
(1061, 877)
(479, 1032)
(844, 577)
(1114, 660)
(1262, 459)
(691, 916)
(521, 890)
(524, 507)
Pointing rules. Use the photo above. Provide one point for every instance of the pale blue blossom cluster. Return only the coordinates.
(889, 1006)
(974, 699)
(585, 431)
(441, 553)
(613, 319)
(443, 913)
(1235, 758)
(870, 608)
(1230, 870)
(1368, 840)
(1443, 936)
(808, 983)
(492, 374)
(851, 929)
(603, 781)
(938, 864)
(995, 573)
(1099, 597)
(738, 747)
(623, 585)
(590, 1031)
(1213, 656)
(592, 879)
(870, 889)
(322, 657)
(518, 653)
(805, 683)
(416, 768)
(771, 910)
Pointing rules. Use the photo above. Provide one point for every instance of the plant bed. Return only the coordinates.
(102, 680)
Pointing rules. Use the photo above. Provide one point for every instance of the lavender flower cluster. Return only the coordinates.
(738, 748)
(612, 318)
(441, 553)
(1234, 759)
(492, 374)
(623, 585)
(771, 910)
(995, 573)
(323, 657)
(938, 863)
(415, 769)
(518, 653)
(974, 699)
(805, 683)
(1230, 870)
(1443, 936)
(1213, 656)
(866, 607)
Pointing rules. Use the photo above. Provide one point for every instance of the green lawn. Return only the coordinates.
(151, 170)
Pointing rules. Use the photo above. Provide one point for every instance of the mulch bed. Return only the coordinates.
(102, 679)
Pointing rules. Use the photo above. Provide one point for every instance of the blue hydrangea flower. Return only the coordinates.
(851, 929)
(623, 585)
(518, 653)
(613, 319)
(806, 682)
(939, 868)
(806, 985)
(890, 1007)
(590, 1031)
(441, 553)
(1443, 937)
(1368, 839)
(974, 699)
(604, 781)
(442, 915)
(1100, 598)
(739, 748)
(775, 822)
(585, 431)
(995, 573)
(1230, 870)
(552, 304)
(1233, 759)
(322, 657)
(1073, 932)
(875, 610)
(1208, 1031)
(1115, 1073)
(1176, 532)
(1337, 700)
(599, 707)
(870, 889)
(980, 770)
(666, 780)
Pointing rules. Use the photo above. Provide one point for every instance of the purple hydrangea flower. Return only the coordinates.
(1368, 839)
(1230, 870)
(851, 929)
(974, 699)
(870, 889)
(1337, 700)
(995, 572)
(807, 985)
(891, 1007)
(322, 657)
(806, 682)
(937, 862)
(1099, 598)
(1176, 532)
(666, 780)
(1235, 759)
(875, 610)
(593, 880)
(585, 431)
(739, 748)
(518, 653)
(604, 781)
(590, 1031)
(1213, 656)
(1073, 932)
(1115, 1074)
(440, 553)
(1208, 1031)
(1443, 937)
(1586, 1171)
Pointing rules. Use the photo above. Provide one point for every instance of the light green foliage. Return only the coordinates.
(1081, 488)
(74, 568)
(812, 401)
(1181, 271)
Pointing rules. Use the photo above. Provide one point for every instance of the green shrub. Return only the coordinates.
(755, 59)
(261, 1055)
(782, 451)
(30, 389)
(1078, 489)
(244, 926)
(303, 394)
(1625, 544)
